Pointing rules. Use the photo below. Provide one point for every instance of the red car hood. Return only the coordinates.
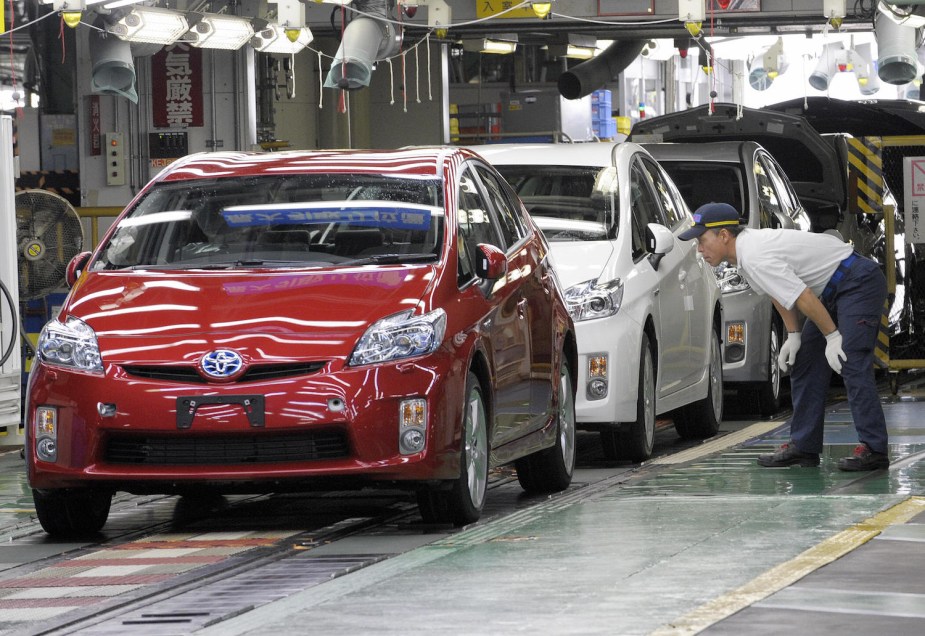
(172, 317)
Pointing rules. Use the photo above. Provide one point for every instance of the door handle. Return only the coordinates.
(522, 307)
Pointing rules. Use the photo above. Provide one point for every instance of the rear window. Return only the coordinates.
(289, 220)
(564, 201)
(701, 183)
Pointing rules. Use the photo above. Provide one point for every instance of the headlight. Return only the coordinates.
(729, 279)
(588, 300)
(400, 336)
(70, 344)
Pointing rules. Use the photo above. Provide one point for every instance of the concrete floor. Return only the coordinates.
(713, 544)
(701, 541)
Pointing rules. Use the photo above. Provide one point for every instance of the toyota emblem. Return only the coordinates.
(222, 364)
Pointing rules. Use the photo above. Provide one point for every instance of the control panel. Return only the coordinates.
(115, 159)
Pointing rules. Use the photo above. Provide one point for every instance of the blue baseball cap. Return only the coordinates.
(709, 216)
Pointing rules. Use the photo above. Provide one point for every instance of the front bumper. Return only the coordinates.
(747, 314)
(130, 433)
(618, 337)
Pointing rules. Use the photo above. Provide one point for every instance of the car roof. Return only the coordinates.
(578, 154)
(417, 162)
(810, 162)
(715, 151)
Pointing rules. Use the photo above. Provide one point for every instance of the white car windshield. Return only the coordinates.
(280, 221)
(565, 201)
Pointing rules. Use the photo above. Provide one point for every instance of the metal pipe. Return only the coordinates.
(588, 76)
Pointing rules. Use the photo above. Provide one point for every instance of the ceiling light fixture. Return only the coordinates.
(148, 24)
(217, 31)
(500, 44)
(275, 39)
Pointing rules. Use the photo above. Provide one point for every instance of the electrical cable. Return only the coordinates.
(13, 312)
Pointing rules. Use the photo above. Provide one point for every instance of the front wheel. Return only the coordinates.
(769, 390)
(636, 444)
(550, 470)
(72, 513)
(702, 418)
(462, 503)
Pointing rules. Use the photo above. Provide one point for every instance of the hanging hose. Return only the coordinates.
(13, 311)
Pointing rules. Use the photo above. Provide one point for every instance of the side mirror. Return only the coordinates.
(76, 267)
(659, 241)
(490, 262)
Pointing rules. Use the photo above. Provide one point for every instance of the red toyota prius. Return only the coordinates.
(285, 321)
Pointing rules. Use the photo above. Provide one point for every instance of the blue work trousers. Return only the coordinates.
(856, 307)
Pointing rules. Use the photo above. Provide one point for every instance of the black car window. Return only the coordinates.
(645, 208)
(674, 212)
(768, 202)
(789, 202)
(509, 222)
(702, 182)
(474, 225)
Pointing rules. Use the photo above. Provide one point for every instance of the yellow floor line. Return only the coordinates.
(718, 444)
(788, 573)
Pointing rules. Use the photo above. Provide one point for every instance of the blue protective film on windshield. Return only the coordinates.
(393, 217)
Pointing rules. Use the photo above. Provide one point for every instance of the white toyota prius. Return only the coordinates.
(647, 308)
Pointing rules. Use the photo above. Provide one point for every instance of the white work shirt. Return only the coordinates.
(782, 263)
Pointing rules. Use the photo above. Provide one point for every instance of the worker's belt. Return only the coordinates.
(839, 274)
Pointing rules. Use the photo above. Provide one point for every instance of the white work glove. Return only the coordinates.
(788, 351)
(833, 351)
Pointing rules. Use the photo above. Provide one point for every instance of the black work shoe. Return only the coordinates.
(789, 455)
(864, 459)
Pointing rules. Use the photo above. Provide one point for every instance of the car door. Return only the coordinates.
(506, 327)
(693, 282)
(672, 320)
(532, 272)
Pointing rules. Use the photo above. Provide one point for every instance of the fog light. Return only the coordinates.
(106, 409)
(597, 366)
(597, 389)
(46, 433)
(412, 441)
(735, 333)
(412, 426)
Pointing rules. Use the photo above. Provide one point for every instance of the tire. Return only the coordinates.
(550, 470)
(636, 443)
(72, 513)
(702, 418)
(769, 391)
(462, 503)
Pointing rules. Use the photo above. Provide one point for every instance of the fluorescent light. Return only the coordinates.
(147, 24)
(498, 44)
(276, 39)
(572, 51)
(216, 31)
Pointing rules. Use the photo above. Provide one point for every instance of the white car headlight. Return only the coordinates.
(588, 300)
(729, 279)
(70, 344)
(399, 336)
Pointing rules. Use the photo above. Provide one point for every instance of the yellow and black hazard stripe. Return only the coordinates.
(882, 348)
(65, 183)
(865, 171)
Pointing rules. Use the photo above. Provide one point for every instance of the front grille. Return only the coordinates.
(255, 373)
(214, 450)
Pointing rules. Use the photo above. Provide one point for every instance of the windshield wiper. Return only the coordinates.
(386, 259)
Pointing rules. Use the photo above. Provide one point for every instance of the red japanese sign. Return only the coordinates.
(96, 142)
(176, 87)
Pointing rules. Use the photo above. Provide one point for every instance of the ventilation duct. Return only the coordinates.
(365, 40)
(587, 77)
(113, 70)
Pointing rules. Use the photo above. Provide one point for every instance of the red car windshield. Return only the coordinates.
(291, 220)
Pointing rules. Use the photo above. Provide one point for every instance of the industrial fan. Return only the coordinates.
(48, 235)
